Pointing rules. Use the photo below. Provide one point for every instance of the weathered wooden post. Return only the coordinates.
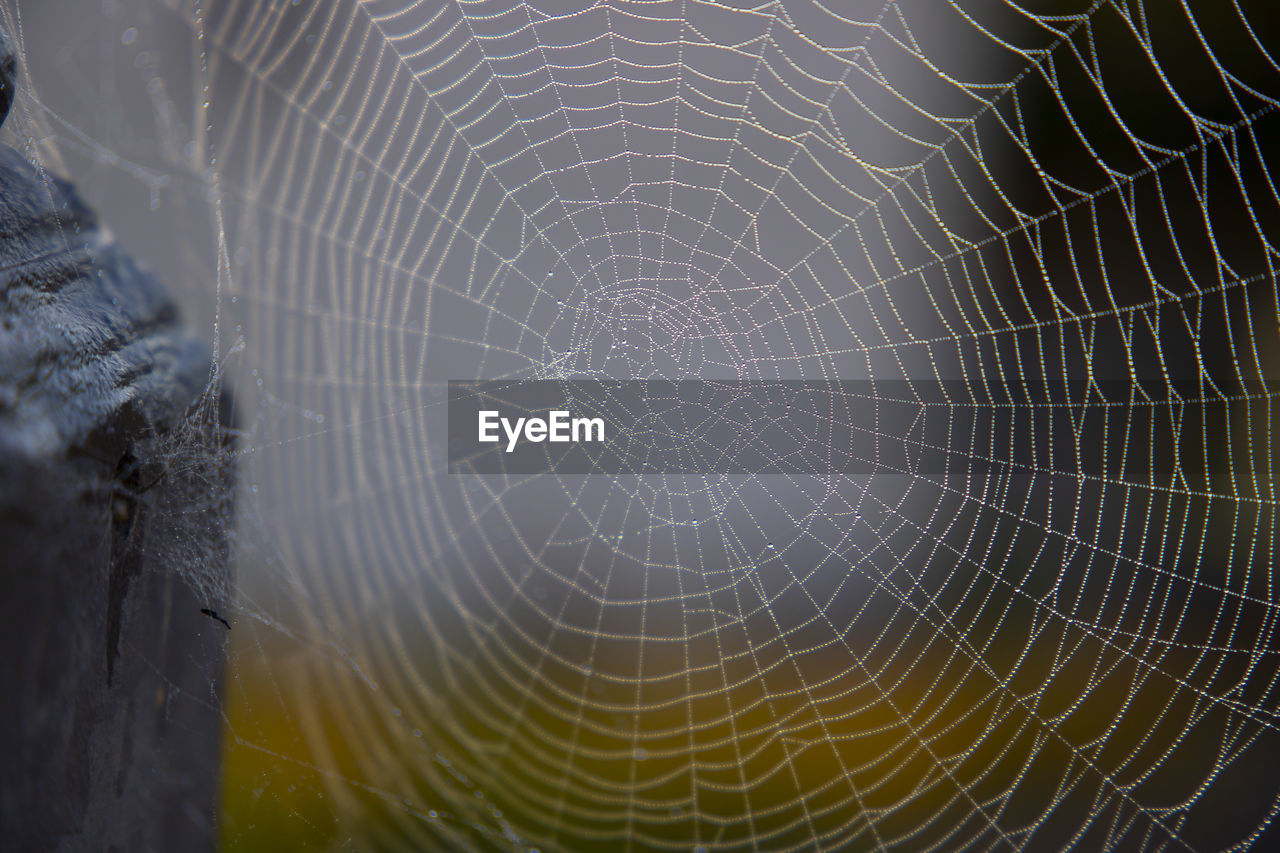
(115, 486)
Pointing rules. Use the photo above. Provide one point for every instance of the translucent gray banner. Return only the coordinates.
(1117, 430)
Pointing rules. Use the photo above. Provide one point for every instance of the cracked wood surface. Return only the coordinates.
(114, 491)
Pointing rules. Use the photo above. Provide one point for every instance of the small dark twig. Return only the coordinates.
(213, 614)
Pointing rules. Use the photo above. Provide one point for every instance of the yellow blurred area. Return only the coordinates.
(273, 795)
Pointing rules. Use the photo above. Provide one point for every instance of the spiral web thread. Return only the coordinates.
(1005, 194)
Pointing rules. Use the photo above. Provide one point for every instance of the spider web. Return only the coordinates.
(1005, 195)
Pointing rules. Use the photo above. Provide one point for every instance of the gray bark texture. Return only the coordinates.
(114, 500)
